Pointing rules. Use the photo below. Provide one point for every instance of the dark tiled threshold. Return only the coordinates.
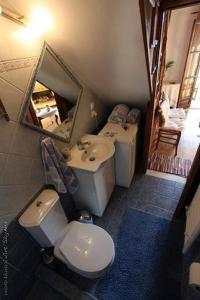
(20, 255)
(18, 283)
(42, 291)
(52, 286)
(27, 277)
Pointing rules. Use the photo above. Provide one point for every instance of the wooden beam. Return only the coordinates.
(142, 14)
(186, 60)
(174, 4)
(148, 116)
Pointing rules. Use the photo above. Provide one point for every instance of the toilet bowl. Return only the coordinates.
(86, 249)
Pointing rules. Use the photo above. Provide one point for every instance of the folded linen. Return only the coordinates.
(133, 116)
(119, 114)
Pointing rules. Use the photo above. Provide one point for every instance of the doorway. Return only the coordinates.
(176, 131)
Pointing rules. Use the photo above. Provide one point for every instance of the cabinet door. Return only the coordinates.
(104, 184)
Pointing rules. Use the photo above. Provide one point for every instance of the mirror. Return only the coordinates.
(53, 97)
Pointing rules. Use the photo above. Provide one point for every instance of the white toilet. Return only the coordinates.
(85, 248)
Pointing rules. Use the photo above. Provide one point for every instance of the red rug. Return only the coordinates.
(169, 164)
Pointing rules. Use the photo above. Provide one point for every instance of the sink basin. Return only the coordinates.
(96, 151)
(93, 155)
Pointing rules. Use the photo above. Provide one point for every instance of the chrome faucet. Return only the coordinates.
(81, 145)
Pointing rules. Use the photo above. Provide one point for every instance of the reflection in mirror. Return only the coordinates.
(53, 98)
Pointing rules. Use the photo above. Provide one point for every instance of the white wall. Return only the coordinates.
(179, 33)
(102, 41)
(21, 170)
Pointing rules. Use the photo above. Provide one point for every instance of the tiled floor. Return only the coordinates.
(154, 195)
(147, 193)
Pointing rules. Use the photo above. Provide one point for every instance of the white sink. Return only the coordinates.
(96, 151)
(93, 155)
(93, 164)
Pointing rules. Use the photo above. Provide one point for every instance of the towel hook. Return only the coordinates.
(42, 137)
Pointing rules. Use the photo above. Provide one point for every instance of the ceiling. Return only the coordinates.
(101, 40)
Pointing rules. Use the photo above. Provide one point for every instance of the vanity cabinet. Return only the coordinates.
(95, 188)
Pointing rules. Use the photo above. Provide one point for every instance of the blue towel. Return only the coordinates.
(57, 172)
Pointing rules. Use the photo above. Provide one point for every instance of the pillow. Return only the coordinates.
(164, 97)
(133, 116)
(170, 124)
(177, 113)
(164, 110)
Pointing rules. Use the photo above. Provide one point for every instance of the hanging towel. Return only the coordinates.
(57, 172)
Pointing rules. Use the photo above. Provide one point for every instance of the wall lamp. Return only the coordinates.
(39, 22)
(11, 15)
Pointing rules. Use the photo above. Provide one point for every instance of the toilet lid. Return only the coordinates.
(87, 247)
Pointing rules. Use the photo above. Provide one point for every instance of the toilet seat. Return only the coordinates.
(86, 248)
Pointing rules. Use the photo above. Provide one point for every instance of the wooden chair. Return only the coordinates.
(165, 134)
(168, 136)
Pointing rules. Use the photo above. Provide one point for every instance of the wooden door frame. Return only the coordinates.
(174, 4)
(194, 175)
(188, 51)
(185, 66)
(149, 122)
(152, 104)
